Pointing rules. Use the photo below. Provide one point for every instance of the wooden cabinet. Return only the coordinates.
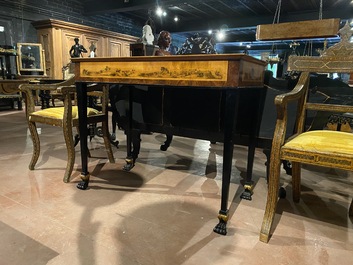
(57, 38)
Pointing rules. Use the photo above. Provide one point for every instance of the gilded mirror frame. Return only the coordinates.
(30, 59)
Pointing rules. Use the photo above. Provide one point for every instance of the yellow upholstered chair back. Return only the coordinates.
(333, 149)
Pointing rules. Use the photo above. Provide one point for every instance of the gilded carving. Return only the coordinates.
(316, 159)
(301, 156)
(335, 58)
(335, 161)
(11, 51)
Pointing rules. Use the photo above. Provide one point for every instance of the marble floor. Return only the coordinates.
(163, 211)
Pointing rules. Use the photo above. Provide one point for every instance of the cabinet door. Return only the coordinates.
(68, 38)
(126, 50)
(90, 42)
(46, 39)
(114, 48)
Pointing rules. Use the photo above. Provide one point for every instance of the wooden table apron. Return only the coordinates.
(230, 72)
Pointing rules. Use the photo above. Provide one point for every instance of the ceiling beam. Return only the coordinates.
(214, 9)
(238, 22)
(247, 7)
(119, 6)
(114, 6)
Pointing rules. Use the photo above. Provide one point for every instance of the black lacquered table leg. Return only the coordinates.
(81, 89)
(130, 160)
(229, 122)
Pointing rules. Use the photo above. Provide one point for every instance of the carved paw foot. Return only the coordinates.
(164, 147)
(130, 163)
(82, 185)
(248, 191)
(98, 131)
(282, 193)
(246, 195)
(287, 166)
(115, 143)
(221, 228)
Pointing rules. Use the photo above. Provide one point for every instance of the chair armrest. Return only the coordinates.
(72, 88)
(94, 90)
(39, 86)
(297, 94)
(32, 89)
(66, 89)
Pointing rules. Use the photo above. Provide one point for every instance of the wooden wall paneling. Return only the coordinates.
(97, 41)
(57, 37)
(57, 47)
(114, 48)
(103, 50)
(46, 39)
(126, 50)
(68, 39)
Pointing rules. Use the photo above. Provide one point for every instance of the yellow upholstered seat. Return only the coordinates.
(65, 117)
(332, 149)
(322, 147)
(58, 113)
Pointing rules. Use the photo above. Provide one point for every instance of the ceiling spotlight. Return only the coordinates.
(220, 35)
(159, 11)
(209, 31)
(164, 13)
(176, 19)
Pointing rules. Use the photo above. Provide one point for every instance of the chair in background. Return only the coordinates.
(321, 147)
(66, 117)
(10, 94)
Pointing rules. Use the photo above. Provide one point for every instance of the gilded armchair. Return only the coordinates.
(321, 147)
(65, 117)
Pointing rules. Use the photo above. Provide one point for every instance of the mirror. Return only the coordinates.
(30, 59)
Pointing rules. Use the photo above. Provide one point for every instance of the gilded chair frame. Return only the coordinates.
(337, 58)
(64, 118)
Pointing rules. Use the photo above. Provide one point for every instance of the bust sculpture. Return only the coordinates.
(147, 35)
(164, 40)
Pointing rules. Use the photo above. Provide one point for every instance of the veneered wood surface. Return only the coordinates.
(299, 30)
(225, 70)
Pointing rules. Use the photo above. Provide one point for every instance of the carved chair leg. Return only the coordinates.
(68, 136)
(272, 198)
(296, 179)
(107, 144)
(36, 144)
